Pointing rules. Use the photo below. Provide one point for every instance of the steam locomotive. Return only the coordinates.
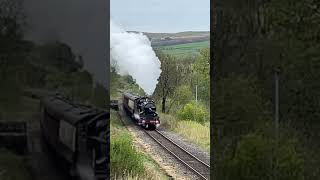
(142, 110)
(77, 136)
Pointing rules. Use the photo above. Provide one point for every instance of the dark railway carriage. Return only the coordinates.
(77, 136)
(142, 110)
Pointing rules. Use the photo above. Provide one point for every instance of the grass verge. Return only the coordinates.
(194, 132)
(126, 162)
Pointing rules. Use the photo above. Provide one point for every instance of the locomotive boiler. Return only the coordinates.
(142, 110)
(78, 137)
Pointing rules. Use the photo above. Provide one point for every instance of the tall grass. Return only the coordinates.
(124, 158)
(193, 131)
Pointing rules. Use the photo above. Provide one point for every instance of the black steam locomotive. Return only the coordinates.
(142, 110)
(78, 137)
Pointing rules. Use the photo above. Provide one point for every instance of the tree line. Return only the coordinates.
(183, 85)
(252, 40)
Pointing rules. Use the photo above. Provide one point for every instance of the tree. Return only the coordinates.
(100, 96)
(168, 79)
(12, 19)
(252, 38)
(201, 74)
(252, 160)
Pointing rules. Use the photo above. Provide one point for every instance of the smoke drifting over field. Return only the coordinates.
(133, 55)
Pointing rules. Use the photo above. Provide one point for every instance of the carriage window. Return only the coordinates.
(131, 104)
(67, 134)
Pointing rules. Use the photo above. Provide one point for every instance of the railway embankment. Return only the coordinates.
(170, 164)
(125, 148)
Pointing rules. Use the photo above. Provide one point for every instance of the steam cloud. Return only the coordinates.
(133, 55)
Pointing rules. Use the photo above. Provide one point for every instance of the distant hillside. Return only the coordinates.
(165, 39)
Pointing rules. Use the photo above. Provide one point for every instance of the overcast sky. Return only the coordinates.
(162, 15)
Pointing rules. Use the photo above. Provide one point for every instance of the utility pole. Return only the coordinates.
(196, 94)
(276, 118)
(276, 114)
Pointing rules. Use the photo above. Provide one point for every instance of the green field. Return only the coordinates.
(187, 49)
(179, 34)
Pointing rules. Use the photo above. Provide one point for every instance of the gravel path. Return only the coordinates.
(169, 164)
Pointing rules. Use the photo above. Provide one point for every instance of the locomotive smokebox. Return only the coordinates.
(142, 110)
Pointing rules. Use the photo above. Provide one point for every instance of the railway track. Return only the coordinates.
(196, 165)
(193, 163)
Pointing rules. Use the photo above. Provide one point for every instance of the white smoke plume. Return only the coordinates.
(133, 55)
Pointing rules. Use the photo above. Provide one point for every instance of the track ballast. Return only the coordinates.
(192, 162)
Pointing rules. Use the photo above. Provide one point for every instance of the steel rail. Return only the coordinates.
(177, 156)
(183, 149)
(201, 175)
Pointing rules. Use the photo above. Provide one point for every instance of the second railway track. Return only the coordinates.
(192, 162)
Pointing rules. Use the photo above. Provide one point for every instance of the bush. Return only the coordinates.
(255, 156)
(124, 159)
(290, 163)
(194, 112)
(252, 159)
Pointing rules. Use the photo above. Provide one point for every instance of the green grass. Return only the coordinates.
(194, 132)
(13, 167)
(126, 162)
(188, 49)
(122, 151)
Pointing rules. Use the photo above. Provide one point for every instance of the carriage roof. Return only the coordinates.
(72, 113)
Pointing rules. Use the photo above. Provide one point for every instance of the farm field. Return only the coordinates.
(188, 49)
(174, 35)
